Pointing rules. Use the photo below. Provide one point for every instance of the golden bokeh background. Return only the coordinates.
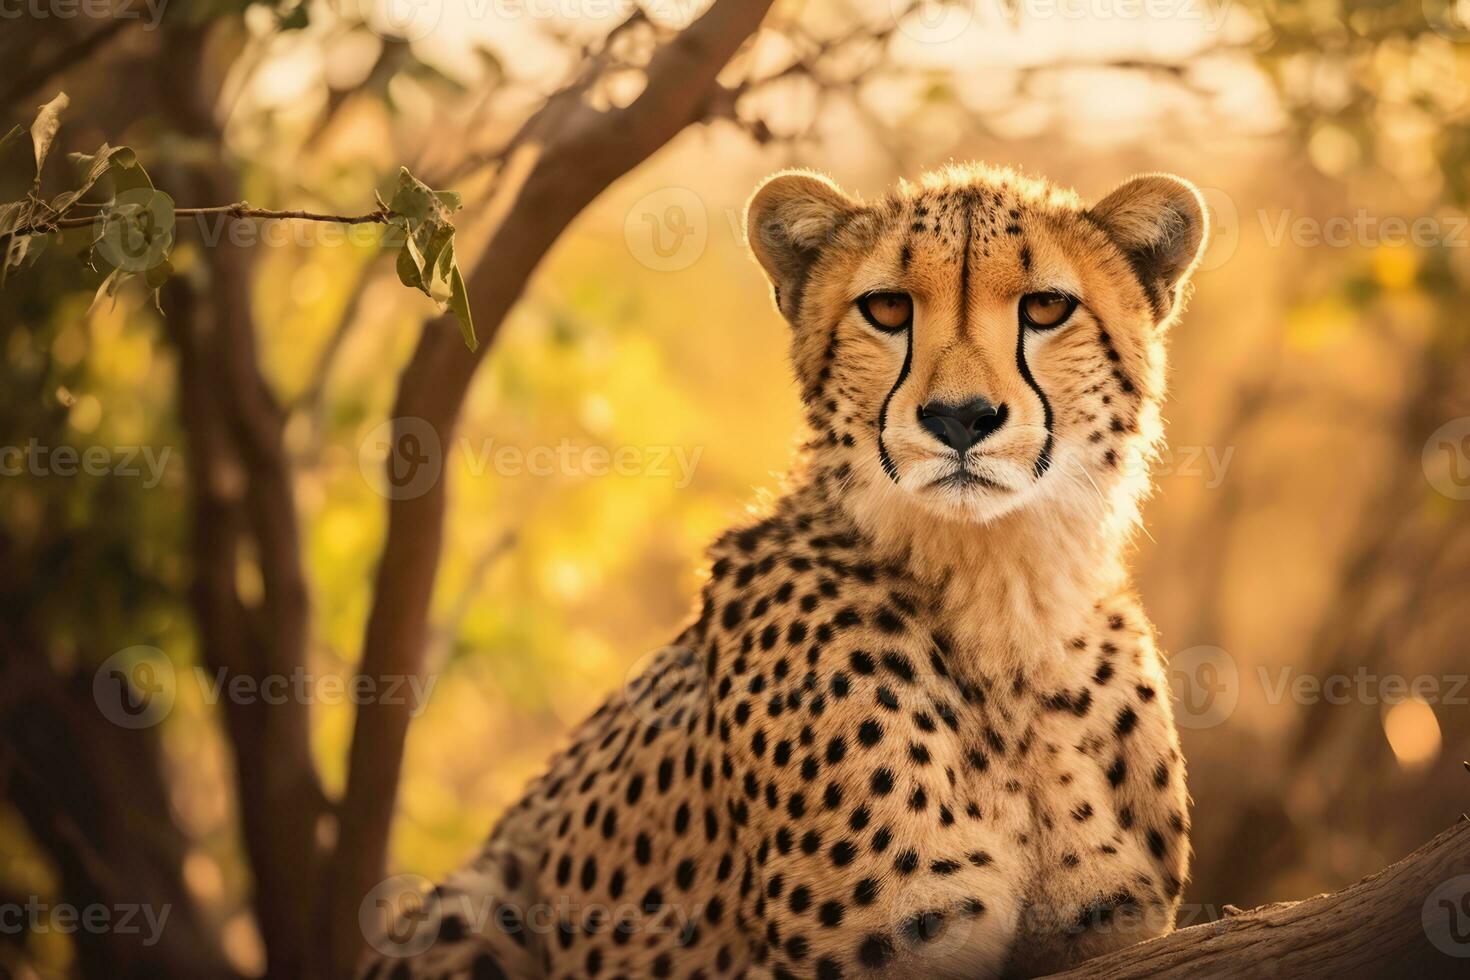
(1311, 519)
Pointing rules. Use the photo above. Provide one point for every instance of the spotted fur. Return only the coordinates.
(919, 725)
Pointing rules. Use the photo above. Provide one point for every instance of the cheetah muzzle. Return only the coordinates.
(919, 725)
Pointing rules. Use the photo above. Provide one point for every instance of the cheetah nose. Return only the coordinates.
(961, 426)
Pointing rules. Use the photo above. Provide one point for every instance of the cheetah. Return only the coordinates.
(919, 724)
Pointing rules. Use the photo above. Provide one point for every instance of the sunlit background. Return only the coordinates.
(1310, 521)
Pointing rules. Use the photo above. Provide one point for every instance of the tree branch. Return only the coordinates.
(1376, 927)
(585, 154)
(241, 210)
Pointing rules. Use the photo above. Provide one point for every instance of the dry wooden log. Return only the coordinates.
(1411, 919)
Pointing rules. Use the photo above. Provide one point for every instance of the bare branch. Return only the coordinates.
(579, 158)
(1373, 928)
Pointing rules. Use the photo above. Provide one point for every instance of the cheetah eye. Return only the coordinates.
(1046, 311)
(887, 311)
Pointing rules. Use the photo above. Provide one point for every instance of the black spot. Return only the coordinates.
(881, 782)
(876, 950)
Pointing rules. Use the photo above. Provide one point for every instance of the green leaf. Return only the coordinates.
(44, 129)
(120, 161)
(127, 173)
(426, 260)
(410, 265)
(413, 199)
(35, 248)
(108, 289)
(459, 305)
(15, 253)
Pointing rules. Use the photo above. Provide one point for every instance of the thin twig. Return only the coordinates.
(237, 211)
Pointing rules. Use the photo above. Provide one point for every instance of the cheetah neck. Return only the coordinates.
(1015, 589)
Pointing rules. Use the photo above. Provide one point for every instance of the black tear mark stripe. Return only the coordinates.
(903, 374)
(1043, 459)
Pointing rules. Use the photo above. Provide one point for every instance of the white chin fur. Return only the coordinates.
(974, 503)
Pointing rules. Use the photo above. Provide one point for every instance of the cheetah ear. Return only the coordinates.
(1160, 223)
(788, 222)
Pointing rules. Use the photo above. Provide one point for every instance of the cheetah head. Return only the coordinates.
(980, 340)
